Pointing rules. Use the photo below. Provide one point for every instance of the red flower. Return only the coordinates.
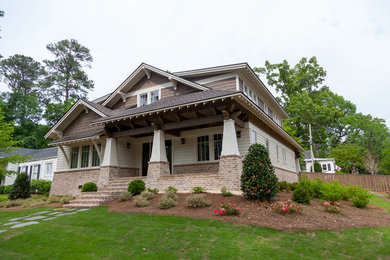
(215, 211)
(272, 207)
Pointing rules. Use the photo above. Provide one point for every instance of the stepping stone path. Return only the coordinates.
(31, 219)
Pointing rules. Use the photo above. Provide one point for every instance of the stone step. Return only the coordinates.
(81, 205)
(117, 185)
(94, 196)
(89, 201)
(113, 189)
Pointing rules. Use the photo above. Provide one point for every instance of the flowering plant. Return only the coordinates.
(286, 207)
(333, 207)
(225, 208)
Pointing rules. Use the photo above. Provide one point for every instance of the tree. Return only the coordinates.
(54, 112)
(348, 157)
(7, 146)
(370, 163)
(67, 79)
(258, 179)
(21, 188)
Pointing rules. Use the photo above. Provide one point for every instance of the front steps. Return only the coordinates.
(106, 194)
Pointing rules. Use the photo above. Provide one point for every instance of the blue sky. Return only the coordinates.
(351, 39)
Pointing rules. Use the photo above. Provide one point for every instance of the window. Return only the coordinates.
(203, 148)
(277, 152)
(250, 94)
(267, 144)
(324, 167)
(329, 167)
(95, 156)
(74, 157)
(49, 169)
(270, 113)
(217, 146)
(284, 155)
(245, 90)
(154, 96)
(35, 171)
(253, 137)
(85, 156)
(143, 99)
(260, 103)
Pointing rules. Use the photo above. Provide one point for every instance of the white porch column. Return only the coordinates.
(110, 157)
(229, 139)
(159, 153)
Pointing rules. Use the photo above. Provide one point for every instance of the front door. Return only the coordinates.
(147, 152)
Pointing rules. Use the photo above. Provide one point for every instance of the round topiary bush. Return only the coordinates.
(258, 179)
(21, 188)
(89, 187)
(136, 187)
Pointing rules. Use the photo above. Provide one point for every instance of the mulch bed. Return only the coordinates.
(255, 213)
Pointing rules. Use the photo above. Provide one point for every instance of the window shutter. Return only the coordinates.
(18, 169)
(39, 169)
(31, 168)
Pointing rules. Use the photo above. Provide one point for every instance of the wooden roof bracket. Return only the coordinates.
(123, 96)
(174, 83)
(147, 72)
(64, 153)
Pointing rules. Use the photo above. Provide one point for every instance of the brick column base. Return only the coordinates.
(230, 170)
(156, 170)
(105, 173)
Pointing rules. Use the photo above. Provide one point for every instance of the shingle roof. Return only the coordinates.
(78, 136)
(169, 102)
(36, 154)
(99, 107)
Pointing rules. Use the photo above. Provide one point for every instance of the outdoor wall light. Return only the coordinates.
(238, 133)
(128, 145)
(183, 141)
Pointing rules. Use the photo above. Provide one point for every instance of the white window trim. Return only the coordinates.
(79, 158)
(148, 96)
(45, 170)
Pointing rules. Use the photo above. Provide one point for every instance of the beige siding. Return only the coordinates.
(130, 102)
(225, 84)
(145, 83)
(128, 157)
(262, 136)
(181, 89)
(61, 161)
(81, 123)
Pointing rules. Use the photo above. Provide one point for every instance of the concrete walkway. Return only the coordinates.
(36, 218)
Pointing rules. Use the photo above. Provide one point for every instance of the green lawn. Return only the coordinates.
(380, 202)
(96, 234)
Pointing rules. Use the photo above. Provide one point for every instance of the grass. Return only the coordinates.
(378, 201)
(96, 234)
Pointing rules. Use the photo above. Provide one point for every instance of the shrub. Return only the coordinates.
(286, 207)
(2, 187)
(351, 191)
(141, 202)
(197, 201)
(7, 189)
(21, 188)
(333, 207)
(147, 195)
(197, 190)
(292, 186)
(332, 191)
(171, 195)
(317, 167)
(170, 188)
(11, 203)
(41, 186)
(225, 208)
(64, 199)
(316, 187)
(136, 187)
(125, 196)
(225, 192)
(361, 198)
(283, 185)
(302, 193)
(155, 190)
(89, 187)
(258, 180)
(166, 203)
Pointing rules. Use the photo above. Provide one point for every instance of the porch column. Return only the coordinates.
(230, 161)
(109, 167)
(158, 163)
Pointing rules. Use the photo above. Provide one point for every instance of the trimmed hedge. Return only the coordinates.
(21, 188)
(136, 187)
(89, 187)
(41, 186)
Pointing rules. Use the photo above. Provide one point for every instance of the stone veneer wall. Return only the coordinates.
(286, 175)
(67, 182)
(196, 168)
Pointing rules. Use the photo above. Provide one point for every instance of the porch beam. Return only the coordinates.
(132, 132)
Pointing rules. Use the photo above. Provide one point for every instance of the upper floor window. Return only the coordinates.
(154, 96)
(260, 103)
(143, 99)
(271, 113)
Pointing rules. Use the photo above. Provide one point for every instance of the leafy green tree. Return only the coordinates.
(384, 164)
(7, 146)
(54, 112)
(349, 158)
(67, 78)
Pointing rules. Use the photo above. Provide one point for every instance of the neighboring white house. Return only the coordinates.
(41, 165)
(328, 165)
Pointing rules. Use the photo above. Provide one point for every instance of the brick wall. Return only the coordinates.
(196, 168)
(67, 182)
(285, 175)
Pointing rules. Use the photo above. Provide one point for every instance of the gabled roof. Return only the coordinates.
(245, 71)
(74, 111)
(36, 154)
(140, 72)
